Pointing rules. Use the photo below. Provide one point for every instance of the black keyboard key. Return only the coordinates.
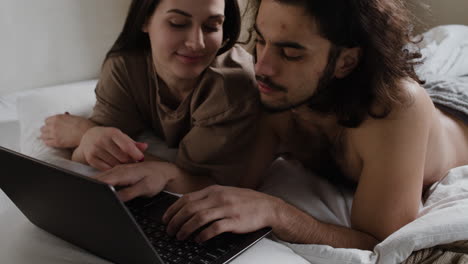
(148, 213)
(209, 255)
(200, 260)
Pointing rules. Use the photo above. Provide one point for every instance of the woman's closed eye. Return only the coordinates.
(210, 29)
(178, 22)
(178, 26)
(213, 26)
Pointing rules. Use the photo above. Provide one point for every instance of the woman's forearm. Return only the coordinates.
(78, 156)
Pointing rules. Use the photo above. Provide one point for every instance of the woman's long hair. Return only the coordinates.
(132, 38)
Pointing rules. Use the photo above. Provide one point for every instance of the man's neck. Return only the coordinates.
(327, 125)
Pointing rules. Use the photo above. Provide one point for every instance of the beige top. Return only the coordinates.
(213, 127)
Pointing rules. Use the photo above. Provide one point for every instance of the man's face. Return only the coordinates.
(291, 55)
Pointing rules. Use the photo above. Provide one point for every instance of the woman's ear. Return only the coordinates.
(144, 28)
(347, 61)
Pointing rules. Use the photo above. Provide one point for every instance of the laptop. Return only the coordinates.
(88, 213)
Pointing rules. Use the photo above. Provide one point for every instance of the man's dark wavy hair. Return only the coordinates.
(382, 28)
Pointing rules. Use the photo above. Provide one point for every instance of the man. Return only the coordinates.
(343, 99)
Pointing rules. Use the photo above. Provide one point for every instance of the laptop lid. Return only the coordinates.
(78, 209)
(88, 213)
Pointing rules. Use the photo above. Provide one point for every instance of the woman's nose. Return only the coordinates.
(195, 40)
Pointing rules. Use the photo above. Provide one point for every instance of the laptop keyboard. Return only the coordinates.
(171, 250)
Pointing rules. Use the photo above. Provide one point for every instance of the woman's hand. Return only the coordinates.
(65, 130)
(141, 179)
(105, 147)
(224, 209)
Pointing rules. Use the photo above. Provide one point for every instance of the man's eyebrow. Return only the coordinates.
(282, 44)
(288, 44)
(180, 12)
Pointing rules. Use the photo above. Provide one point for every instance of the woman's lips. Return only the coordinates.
(190, 59)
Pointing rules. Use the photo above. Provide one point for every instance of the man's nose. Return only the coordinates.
(265, 63)
(195, 40)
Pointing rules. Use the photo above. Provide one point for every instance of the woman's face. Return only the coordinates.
(185, 36)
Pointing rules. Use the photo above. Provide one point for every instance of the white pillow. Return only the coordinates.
(33, 108)
(78, 99)
(445, 52)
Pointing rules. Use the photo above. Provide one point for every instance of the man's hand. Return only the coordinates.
(225, 209)
(105, 147)
(65, 130)
(228, 209)
(139, 179)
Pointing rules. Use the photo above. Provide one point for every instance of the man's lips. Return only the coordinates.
(263, 88)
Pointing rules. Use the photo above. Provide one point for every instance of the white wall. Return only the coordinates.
(441, 12)
(49, 42)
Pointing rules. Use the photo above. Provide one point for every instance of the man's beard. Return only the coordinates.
(325, 81)
(276, 87)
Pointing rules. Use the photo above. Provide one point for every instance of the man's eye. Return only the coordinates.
(291, 55)
(260, 41)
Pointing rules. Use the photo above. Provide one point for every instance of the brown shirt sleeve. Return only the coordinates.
(225, 119)
(115, 99)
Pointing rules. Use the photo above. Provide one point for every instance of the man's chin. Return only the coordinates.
(283, 108)
(275, 109)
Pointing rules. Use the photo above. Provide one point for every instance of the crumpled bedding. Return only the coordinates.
(445, 68)
(453, 253)
(443, 217)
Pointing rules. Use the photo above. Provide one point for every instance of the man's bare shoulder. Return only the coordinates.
(405, 118)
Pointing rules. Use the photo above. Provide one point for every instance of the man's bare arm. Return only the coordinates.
(393, 152)
(229, 209)
(295, 226)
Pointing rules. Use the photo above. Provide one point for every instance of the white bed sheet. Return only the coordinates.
(9, 116)
(443, 217)
(9, 125)
(9, 134)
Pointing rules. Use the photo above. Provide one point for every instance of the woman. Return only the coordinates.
(174, 69)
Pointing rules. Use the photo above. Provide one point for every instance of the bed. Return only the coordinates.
(439, 234)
